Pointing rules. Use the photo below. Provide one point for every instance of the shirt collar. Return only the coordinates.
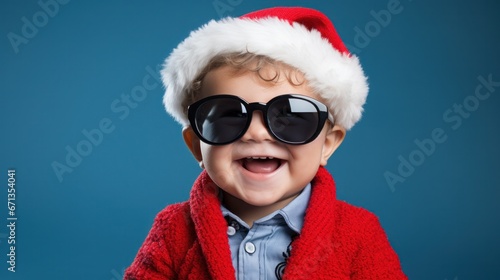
(295, 211)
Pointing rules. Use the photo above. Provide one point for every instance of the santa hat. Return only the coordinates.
(300, 37)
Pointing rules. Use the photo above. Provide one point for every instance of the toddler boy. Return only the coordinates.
(265, 100)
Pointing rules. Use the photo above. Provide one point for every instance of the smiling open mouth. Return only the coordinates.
(261, 164)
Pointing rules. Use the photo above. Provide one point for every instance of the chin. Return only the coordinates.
(262, 200)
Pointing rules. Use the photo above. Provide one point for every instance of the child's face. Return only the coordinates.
(257, 170)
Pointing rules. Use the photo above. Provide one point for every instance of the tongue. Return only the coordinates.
(261, 165)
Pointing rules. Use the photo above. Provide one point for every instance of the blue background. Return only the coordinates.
(443, 219)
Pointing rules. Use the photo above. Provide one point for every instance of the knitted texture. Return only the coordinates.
(338, 241)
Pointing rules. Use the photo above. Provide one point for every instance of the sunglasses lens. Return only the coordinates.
(222, 120)
(293, 120)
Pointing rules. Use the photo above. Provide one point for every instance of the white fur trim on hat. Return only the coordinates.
(338, 78)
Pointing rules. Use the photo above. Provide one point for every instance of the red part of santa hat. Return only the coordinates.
(310, 18)
(300, 37)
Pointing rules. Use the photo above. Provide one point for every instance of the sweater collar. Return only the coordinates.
(316, 237)
(211, 228)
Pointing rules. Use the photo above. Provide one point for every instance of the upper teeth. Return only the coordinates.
(260, 157)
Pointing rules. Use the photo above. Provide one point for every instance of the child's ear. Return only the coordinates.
(333, 138)
(192, 142)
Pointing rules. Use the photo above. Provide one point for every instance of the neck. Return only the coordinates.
(250, 213)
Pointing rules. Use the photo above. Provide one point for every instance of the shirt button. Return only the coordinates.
(250, 247)
(231, 230)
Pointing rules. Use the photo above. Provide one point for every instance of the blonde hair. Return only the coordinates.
(241, 63)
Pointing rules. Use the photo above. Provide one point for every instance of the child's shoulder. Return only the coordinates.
(171, 223)
(173, 220)
(173, 213)
(346, 208)
(356, 218)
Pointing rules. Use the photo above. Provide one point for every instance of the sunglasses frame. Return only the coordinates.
(322, 109)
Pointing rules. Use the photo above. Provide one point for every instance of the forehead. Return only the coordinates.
(255, 85)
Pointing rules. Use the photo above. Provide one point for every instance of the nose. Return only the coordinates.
(257, 131)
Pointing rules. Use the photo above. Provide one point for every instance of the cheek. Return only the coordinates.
(216, 160)
(307, 156)
(209, 151)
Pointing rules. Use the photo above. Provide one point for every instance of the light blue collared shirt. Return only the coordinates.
(261, 252)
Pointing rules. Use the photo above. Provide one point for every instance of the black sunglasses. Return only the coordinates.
(290, 118)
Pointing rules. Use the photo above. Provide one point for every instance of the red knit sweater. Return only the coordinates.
(338, 241)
